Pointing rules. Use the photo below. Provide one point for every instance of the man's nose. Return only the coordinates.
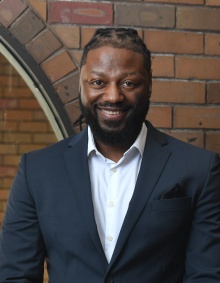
(113, 93)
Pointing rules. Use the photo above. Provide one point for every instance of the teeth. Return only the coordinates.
(111, 112)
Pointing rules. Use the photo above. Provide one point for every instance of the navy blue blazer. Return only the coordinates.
(171, 232)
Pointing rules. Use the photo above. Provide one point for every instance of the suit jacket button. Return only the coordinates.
(109, 280)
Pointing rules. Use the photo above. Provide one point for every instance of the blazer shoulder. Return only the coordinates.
(57, 148)
(178, 146)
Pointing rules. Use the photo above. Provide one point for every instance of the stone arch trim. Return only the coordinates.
(37, 82)
(192, 90)
(33, 47)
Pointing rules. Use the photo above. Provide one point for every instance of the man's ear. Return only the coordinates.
(150, 83)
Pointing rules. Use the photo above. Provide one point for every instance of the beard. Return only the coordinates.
(116, 132)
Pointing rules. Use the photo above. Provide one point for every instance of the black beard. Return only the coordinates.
(128, 133)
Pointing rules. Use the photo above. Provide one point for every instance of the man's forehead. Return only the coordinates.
(108, 53)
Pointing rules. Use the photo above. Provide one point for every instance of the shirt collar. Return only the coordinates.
(139, 142)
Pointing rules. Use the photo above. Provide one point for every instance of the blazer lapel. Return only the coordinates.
(78, 170)
(153, 163)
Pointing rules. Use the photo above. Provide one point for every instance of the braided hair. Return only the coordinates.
(125, 38)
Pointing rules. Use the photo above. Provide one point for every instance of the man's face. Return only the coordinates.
(114, 96)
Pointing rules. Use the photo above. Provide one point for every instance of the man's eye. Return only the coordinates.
(97, 82)
(128, 84)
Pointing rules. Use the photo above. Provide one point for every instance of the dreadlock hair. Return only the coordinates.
(125, 38)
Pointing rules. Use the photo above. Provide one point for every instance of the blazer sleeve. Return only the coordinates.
(203, 249)
(22, 249)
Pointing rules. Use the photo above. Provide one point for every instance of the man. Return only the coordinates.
(121, 201)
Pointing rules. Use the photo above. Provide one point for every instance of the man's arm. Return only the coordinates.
(21, 245)
(203, 249)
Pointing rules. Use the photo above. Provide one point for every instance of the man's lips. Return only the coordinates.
(108, 113)
(111, 112)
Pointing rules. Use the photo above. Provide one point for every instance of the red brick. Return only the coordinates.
(14, 115)
(147, 15)
(29, 104)
(197, 117)
(52, 66)
(73, 110)
(17, 92)
(3, 60)
(192, 2)
(40, 7)
(198, 18)
(11, 160)
(163, 66)
(21, 82)
(87, 34)
(8, 126)
(212, 2)
(68, 88)
(7, 182)
(38, 116)
(44, 45)
(160, 116)
(76, 56)
(69, 35)
(17, 137)
(213, 141)
(80, 13)
(8, 103)
(8, 149)
(39, 127)
(4, 81)
(44, 138)
(26, 27)
(4, 205)
(198, 68)
(212, 44)
(174, 42)
(178, 91)
(213, 93)
(50, 129)
(8, 171)
(192, 137)
(1, 217)
(4, 193)
(10, 10)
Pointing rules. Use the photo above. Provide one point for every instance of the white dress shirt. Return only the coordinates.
(112, 186)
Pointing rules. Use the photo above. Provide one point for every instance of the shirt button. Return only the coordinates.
(114, 170)
(111, 204)
(110, 238)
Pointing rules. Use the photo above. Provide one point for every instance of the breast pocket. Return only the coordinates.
(183, 203)
(171, 216)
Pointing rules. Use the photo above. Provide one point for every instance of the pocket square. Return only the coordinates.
(175, 192)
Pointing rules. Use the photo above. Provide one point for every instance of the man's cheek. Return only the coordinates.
(84, 99)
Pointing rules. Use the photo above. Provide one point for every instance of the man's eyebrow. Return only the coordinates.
(101, 74)
(130, 73)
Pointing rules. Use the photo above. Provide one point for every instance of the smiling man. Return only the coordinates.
(120, 202)
(115, 90)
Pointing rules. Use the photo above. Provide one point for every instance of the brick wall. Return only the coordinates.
(23, 126)
(183, 36)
